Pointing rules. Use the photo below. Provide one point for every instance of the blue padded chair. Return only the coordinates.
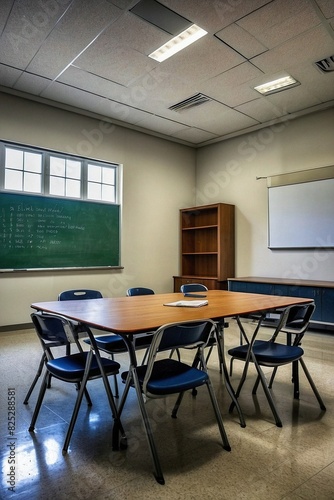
(131, 292)
(114, 343)
(193, 287)
(53, 330)
(294, 321)
(79, 294)
(163, 376)
(110, 344)
(142, 341)
(68, 295)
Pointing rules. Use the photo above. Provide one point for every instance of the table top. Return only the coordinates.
(148, 312)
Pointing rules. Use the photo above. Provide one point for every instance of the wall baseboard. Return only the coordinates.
(10, 328)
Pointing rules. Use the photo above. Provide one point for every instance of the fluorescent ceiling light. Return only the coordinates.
(179, 42)
(277, 85)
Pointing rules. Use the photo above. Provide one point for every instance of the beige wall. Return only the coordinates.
(158, 178)
(227, 172)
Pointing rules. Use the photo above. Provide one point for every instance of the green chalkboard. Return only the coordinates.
(38, 232)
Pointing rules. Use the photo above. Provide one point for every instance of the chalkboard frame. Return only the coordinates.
(40, 233)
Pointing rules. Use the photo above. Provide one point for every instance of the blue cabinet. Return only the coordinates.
(322, 292)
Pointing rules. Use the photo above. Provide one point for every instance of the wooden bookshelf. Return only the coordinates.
(207, 246)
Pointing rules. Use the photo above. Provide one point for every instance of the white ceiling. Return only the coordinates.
(92, 56)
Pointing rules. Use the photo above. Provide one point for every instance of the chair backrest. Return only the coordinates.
(80, 294)
(139, 291)
(178, 335)
(295, 320)
(193, 287)
(52, 330)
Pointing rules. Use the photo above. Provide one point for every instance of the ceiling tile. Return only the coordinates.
(261, 110)
(161, 125)
(233, 86)
(291, 101)
(203, 59)
(297, 50)
(213, 15)
(32, 84)
(241, 41)
(216, 118)
(8, 75)
(194, 135)
(279, 21)
(25, 31)
(65, 43)
(326, 7)
(76, 77)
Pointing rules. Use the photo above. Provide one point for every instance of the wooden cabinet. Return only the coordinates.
(322, 292)
(207, 245)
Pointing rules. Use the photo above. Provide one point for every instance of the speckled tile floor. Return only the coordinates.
(295, 462)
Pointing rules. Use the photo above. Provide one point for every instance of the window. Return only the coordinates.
(101, 183)
(34, 170)
(65, 177)
(23, 170)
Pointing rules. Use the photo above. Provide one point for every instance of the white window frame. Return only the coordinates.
(45, 173)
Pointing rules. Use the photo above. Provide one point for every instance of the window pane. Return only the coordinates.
(33, 162)
(57, 186)
(72, 188)
(57, 166)
(94, 191)
(108, 175)
(73, 169)
(13, 180)
(14, 158)
(94, 173)
(108, 193)
(32, 183)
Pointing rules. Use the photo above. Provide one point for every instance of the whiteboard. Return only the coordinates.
(301, 215)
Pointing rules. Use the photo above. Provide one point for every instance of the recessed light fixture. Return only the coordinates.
(179, 42)
(277, 85)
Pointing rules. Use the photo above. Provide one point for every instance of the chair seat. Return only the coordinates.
(109, 343)
(72, 368)
(269, 353)
(170, 377)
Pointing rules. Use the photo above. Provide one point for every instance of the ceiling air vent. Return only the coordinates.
(194, 100)
(325, 65)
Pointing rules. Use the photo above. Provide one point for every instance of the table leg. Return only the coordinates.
(117, 428)
(221, 355)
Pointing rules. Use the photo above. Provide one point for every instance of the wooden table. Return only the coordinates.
(129, 315)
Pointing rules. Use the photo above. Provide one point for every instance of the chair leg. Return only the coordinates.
(34, 382)
(178, 403)
(177, 354)
(267, 393)
(295, 379)
(149, 434)
(39, 402)
(226, 444)
(312, 384)
(271, 381)
(74, 417)
(115, 379)
(231, 366)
